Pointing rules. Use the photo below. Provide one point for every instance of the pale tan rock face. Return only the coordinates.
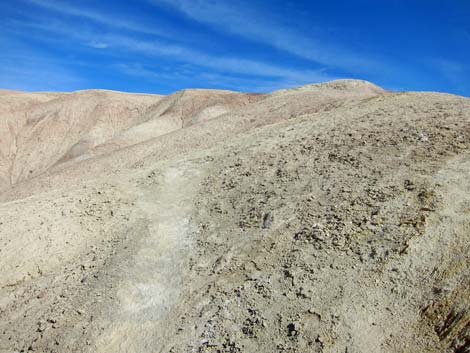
(325, 218)
(41, 130)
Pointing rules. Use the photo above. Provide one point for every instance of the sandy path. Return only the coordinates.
(152, 281)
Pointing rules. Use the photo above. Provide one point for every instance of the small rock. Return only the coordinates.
(423, 137)
(292, 330)
(267, 220)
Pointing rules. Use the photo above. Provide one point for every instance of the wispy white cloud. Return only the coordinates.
(156, 74)
(119, 43)
(182, 76)
(451, 70)
(33, 73)
(455, 73)
(98, 17)
(222, 64)
(237, 72)
(98, 45)
(250, 23)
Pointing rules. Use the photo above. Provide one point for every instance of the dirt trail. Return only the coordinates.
(152, 280)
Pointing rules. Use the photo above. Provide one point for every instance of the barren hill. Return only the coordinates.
(41, 130)
(324, 218)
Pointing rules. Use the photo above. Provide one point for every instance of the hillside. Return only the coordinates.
(324, 218)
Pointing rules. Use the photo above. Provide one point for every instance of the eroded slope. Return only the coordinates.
(337, 222)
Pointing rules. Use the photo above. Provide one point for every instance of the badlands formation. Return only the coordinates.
(326, 218)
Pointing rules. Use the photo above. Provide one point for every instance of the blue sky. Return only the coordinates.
(161, 46)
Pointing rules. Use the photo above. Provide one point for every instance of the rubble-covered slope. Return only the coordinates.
(339, 224)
